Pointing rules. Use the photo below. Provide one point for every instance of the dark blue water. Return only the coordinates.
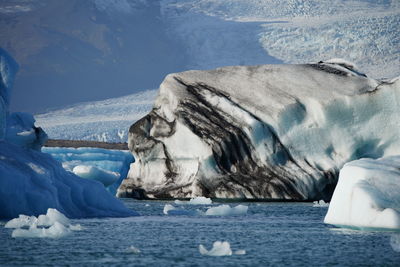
(273, 234)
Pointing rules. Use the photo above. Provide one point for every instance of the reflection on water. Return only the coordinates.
(395, 242)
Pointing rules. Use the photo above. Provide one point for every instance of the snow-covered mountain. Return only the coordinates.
(218, 33)
(266, 131)
(73, 50)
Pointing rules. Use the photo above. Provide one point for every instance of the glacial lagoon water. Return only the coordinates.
(272, 234)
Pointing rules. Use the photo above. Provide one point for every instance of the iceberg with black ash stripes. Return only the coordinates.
(261, 132)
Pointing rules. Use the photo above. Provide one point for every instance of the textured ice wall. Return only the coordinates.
(8, 69)
(117, 161)
(268, 131)
(21, 131)
(31, 182)
(367, 195)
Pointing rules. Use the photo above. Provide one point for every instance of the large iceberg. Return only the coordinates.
(31, 182)
(267, 131)
(367, 195)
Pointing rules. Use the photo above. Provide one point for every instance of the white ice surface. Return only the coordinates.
(195, 201)
(367, 195)
(106, 120)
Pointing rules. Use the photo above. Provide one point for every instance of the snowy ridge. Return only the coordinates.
(106, 120)
(267, 131)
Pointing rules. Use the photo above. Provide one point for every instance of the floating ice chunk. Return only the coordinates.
(395, 242)
(167, 208)
(21, 221)
(94, 173)
(367, 195)
(133, 250)
(57, 230)
(320, 203)
(171, 210)
(224, 210)
(240, 252)
(53, 225)
(52, 216)
(75, 227)
(219, 249)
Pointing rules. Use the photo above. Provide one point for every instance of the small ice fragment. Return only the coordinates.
(133, 250)
(224, 210)
(147, 205)
(240, 252)
(180, 202)
(171, 210)
(200, 201)
(219, 249)
(76, 227)
(320, 203)
(167, 208)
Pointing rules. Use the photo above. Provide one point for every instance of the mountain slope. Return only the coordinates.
(72, 50)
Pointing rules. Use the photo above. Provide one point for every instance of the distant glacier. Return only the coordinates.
(106, 120)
